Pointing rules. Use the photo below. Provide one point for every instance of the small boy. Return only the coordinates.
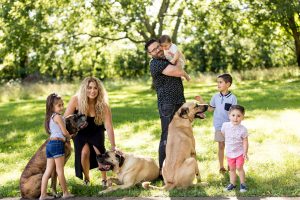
(236, 143)
(220, 104)
(171, 52)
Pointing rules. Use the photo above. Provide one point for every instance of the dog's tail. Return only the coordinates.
(147, 186)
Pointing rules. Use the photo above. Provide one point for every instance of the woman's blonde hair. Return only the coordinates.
(101, 100)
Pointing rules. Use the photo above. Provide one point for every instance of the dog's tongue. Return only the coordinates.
(201, 115)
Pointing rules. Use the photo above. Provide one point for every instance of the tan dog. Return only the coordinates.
(180, 166)
(31, 178)
(130, 169)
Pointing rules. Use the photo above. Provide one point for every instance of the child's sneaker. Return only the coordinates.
(230, 187)
(243, 188)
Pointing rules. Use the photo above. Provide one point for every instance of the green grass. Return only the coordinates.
(272, 117)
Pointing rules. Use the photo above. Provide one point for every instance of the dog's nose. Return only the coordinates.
(205, 106)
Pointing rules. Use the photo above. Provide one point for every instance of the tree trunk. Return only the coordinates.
(296, 36)
(22, 68)
(297, 45)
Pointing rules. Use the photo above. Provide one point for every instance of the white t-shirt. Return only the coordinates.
(169, 54)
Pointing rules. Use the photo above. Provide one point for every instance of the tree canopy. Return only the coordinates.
(69, 39)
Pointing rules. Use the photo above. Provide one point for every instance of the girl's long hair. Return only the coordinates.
(101, 102)
(50, 102)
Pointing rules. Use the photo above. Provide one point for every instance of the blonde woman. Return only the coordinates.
(91, 100)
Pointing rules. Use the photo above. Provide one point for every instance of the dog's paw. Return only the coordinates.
(146, 185)
(109, 183)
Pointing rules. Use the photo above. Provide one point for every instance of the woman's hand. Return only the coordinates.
(115, 149)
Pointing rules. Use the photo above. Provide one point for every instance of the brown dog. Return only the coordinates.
(180, 166)
(31, 178)
(130, 169)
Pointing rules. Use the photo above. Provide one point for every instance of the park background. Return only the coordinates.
(48, 46)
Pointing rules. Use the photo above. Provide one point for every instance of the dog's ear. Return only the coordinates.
(183, 112)
(120, 159)
(71, 126)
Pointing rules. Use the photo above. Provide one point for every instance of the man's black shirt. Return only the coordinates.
(169, 89)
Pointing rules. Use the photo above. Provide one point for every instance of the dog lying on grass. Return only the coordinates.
(31, 178)
(130, 169)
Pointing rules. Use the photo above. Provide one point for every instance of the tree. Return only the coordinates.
(136, 20)
(227, 35)
(286, 13)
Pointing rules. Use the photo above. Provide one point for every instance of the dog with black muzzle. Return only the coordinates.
(180, 166)
(31, 178)
(130, 169)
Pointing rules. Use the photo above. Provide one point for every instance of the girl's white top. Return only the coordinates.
(55, 130)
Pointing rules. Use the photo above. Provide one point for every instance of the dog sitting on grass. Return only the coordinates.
(31, 178)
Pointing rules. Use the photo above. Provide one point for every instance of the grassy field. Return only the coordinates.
(272, 114)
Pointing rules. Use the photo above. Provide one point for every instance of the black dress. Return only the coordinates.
(93, 135)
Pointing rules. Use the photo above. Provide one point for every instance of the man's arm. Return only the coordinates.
(174, 70)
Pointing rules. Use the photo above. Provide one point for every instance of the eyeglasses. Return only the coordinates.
(155, 49)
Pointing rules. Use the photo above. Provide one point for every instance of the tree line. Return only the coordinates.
(68, 39)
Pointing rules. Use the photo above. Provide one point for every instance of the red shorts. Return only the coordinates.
(236, 162)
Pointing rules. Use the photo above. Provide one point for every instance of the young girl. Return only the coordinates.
(236, 145)
(55, 149)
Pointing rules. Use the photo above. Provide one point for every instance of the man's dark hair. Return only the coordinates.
(237, 107)
(226, 77)
(147, 44)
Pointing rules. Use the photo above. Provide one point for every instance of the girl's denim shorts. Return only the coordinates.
(55, 149)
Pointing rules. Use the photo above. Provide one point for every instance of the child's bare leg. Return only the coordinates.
(241, 174)
(46, 176)
(232, 175)
(221, 154)
(186, 76)
(60, 162)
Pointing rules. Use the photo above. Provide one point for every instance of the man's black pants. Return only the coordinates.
(166, 113)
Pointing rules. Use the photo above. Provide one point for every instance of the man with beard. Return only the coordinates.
(169, 88)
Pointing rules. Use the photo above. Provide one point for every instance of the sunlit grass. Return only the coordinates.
(272, 116)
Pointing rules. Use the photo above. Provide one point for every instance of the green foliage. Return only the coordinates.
(272, 110)
(226, 35)
(66, 40)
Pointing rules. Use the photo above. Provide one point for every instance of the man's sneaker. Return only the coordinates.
(230, 187)
(243, 188)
